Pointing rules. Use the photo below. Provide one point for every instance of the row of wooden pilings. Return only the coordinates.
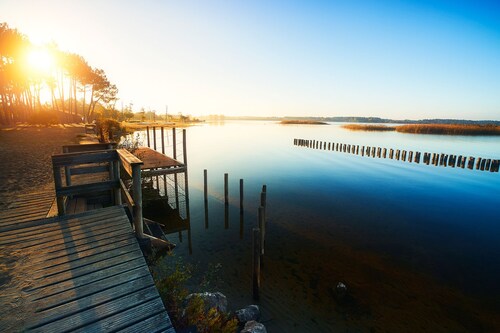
(435, 159)
(258, 234)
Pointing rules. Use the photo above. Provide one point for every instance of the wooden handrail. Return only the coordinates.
(131, 164)
(88, 147)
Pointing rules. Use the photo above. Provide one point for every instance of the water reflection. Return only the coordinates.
(166, 201)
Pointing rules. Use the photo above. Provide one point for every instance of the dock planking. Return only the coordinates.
(80, 272)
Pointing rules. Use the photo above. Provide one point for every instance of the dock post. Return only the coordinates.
(184, 145)
(241, 196)
(256, 263)
(61, 209)
(116, 173)
(137, 191)
(384, 153)
(226, 190)
(163, 140)
(67, 172)
(154, 137)
(174, 143)
(263, 202)
(147, 134)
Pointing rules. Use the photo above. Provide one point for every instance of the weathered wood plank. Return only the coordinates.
(78, 253)
(59, 310)
(157, 323)
(45, 299)
(87, 280)
(46, 225)
(86, 271)
(98, 317)
(128, 160)
(48, 234)
(61, 269)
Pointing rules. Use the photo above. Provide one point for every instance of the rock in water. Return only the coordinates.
(248, 313)
(254, 327)
(212, 300)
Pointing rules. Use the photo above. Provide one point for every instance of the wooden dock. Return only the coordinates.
(78, 271)
(82, 272)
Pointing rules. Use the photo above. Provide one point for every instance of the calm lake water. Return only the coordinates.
(417, 245)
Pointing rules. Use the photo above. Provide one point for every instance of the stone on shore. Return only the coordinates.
(254, 327)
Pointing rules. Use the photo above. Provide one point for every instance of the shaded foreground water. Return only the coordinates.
(417, 246)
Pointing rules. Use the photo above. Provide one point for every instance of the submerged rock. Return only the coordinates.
(341, 289)
(249, 313)
(212, 300)
(254, 327)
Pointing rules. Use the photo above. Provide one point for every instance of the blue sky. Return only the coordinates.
(396, 59)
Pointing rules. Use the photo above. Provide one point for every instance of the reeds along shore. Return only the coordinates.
(441, 159)
(440, 129)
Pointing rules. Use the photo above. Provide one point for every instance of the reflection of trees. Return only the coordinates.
(76, 89)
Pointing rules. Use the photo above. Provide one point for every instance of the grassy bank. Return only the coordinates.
(440, 129)
(358, 127)
(302, 122)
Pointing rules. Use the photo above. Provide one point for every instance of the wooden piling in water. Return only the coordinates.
(263, 202)
(391, 153)
(256, 263)
(478, 163)
(384, 153)
(470, 165)
(488, 164)
(241, 196)
(410, 156)
(205, 186)
(403, 155)
(398, 153)
(226, 189)
(482, 165)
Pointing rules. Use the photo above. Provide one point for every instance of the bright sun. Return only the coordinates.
(40, 60)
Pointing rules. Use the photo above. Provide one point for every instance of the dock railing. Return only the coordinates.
(98, 161)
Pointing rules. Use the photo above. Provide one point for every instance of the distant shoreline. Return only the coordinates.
(302, 122)
(437, 129)
(365, 120)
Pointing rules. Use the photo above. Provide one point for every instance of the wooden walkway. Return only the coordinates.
(82, 272)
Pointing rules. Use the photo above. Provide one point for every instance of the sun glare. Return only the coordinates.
(40, 60)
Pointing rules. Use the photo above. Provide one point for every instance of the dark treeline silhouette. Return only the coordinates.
(66, 89)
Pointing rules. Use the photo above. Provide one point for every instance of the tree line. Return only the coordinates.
(68, 89)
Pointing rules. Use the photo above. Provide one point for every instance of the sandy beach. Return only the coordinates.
(25, 156)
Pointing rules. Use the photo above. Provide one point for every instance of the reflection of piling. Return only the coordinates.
(262, 227)
(256, 263)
